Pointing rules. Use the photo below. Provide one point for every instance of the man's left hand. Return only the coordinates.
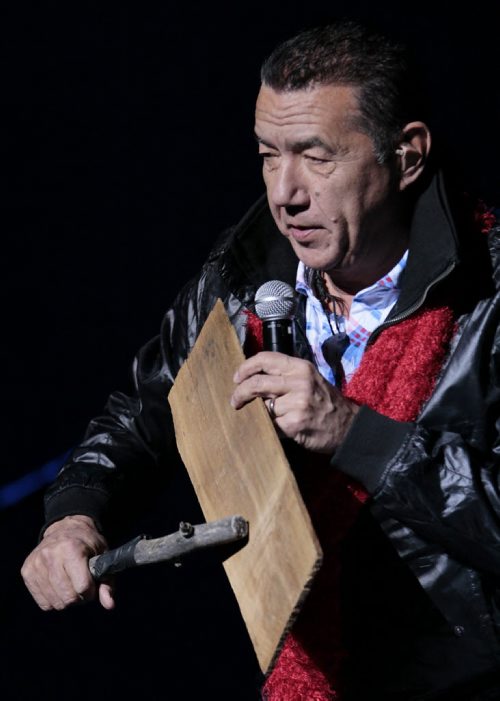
(306, 407)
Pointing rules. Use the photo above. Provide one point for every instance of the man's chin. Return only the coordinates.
(315, 258)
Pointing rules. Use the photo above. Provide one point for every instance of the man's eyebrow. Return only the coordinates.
(313, 142)
(262, 141)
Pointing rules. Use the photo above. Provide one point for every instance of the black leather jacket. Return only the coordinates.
(422, 564)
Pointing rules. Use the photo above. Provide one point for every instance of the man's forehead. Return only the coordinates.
(317, 105)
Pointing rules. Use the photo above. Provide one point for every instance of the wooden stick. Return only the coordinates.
(188, 539)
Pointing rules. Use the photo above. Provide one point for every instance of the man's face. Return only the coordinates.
(327, 193)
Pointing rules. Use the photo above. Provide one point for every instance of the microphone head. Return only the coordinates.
(275, 300)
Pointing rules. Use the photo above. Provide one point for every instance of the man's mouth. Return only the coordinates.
(301, 233)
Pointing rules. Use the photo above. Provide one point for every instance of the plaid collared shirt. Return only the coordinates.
(370, 307)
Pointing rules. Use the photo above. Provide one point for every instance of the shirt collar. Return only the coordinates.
(389, 281)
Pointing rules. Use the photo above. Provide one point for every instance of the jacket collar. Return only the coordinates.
(257, 252)
(433, 248)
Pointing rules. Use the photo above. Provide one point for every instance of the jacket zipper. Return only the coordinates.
(414, 307)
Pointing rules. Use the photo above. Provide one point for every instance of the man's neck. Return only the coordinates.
(344, 285)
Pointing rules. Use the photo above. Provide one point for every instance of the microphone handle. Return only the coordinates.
(278, 336)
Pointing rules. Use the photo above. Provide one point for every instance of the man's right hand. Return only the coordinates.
(57, 572)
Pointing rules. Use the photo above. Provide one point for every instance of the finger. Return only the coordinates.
(55, 587)
(63, 569)
(291, 408)
(271, 407)
(268, 362)
(78, 572)
(259, 386)
(64, 592)
(106, 596)
(293, 412)
(37, 591)
(82, 585)
(297, 403)
(47, 580)
(267, 386)
(56, 572)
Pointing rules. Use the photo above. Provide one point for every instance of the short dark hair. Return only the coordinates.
(347, 53)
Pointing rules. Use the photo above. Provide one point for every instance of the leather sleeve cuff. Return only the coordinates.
(370, 445)
(73, 501)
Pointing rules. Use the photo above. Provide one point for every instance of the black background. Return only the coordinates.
(126, 145)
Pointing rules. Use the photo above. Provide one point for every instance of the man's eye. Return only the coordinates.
(316, 159)
(269, 160)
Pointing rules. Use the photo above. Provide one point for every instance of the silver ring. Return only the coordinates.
(272, 413)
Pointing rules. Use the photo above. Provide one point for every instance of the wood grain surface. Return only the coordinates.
(237, 466)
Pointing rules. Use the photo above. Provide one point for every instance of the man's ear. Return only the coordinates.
(412, 150)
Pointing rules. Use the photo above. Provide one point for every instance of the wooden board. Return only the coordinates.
(237, 466)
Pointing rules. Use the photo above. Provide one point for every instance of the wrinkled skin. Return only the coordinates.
(307, 408)
(57, 573)
(337, 205)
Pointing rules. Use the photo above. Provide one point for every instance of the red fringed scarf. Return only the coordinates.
(396, 375)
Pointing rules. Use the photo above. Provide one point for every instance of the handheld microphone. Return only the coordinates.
(275, 305)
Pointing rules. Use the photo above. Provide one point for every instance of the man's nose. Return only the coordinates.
(287, 188)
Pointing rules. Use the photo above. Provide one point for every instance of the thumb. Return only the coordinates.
(106, 595)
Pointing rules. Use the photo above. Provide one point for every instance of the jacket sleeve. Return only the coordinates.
(438, 480)
(133, 441)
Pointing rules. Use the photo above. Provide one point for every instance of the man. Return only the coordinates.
(389, 412)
